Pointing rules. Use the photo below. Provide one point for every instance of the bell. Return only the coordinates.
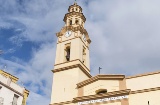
(67, 57)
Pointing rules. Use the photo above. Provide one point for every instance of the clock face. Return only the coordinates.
(84, 37)
(68, 33)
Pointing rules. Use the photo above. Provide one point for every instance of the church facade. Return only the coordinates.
(73, 83)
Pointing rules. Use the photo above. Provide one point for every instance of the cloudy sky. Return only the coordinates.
(125, 38)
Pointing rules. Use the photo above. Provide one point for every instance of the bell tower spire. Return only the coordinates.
(72, 56)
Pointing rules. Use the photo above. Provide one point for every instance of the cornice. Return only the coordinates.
(11, 88)
(74, 13)
(73, 66)
(100, 77)
(109, 94)
(145, 74)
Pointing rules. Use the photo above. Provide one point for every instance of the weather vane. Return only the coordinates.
(100, 70)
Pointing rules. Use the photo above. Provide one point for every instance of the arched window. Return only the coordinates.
(72, 9)
(76, 22)
(70, 22)
(68, 54)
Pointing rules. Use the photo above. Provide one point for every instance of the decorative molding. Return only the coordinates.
(145, 74)
(109, 94)
(73, 66)
(100, 77)
(145, 90)
(11, 88)
(9, 75)
(74, 13)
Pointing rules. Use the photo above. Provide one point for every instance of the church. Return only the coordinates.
(74, 85)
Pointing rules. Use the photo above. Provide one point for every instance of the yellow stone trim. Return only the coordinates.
(74, 29)
(145, 74)
(100, 77)
(80, 65)
(25, 96)
(13, 78)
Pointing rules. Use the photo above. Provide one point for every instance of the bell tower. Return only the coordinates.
(72, 56)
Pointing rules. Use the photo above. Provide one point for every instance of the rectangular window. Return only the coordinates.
(15, 99)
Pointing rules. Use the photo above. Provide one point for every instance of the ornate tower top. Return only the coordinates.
(76, 10)
(74, 22)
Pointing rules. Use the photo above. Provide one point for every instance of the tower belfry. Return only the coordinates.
(72, 56)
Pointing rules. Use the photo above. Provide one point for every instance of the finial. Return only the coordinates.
(75, 2)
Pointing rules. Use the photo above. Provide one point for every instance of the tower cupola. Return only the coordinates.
(74, 17)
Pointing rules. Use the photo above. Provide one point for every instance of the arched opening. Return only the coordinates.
(101, 91)
(67, 53)
(84, 55)
(76, 22)
(70, 22)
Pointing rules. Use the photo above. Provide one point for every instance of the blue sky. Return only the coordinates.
(125, 39)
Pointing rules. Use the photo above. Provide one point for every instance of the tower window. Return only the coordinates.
(72, 9)
(70, 22)
(15, 99)
(76, 9)
(84, 55)
(68, 54)
(77, 22)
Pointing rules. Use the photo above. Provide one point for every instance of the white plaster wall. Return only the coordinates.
(8, 95)
(3, 79)
(110, 85)
(143, 82)
(142, 98)
(17, 87)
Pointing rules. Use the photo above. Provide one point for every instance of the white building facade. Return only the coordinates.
(10, 92)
